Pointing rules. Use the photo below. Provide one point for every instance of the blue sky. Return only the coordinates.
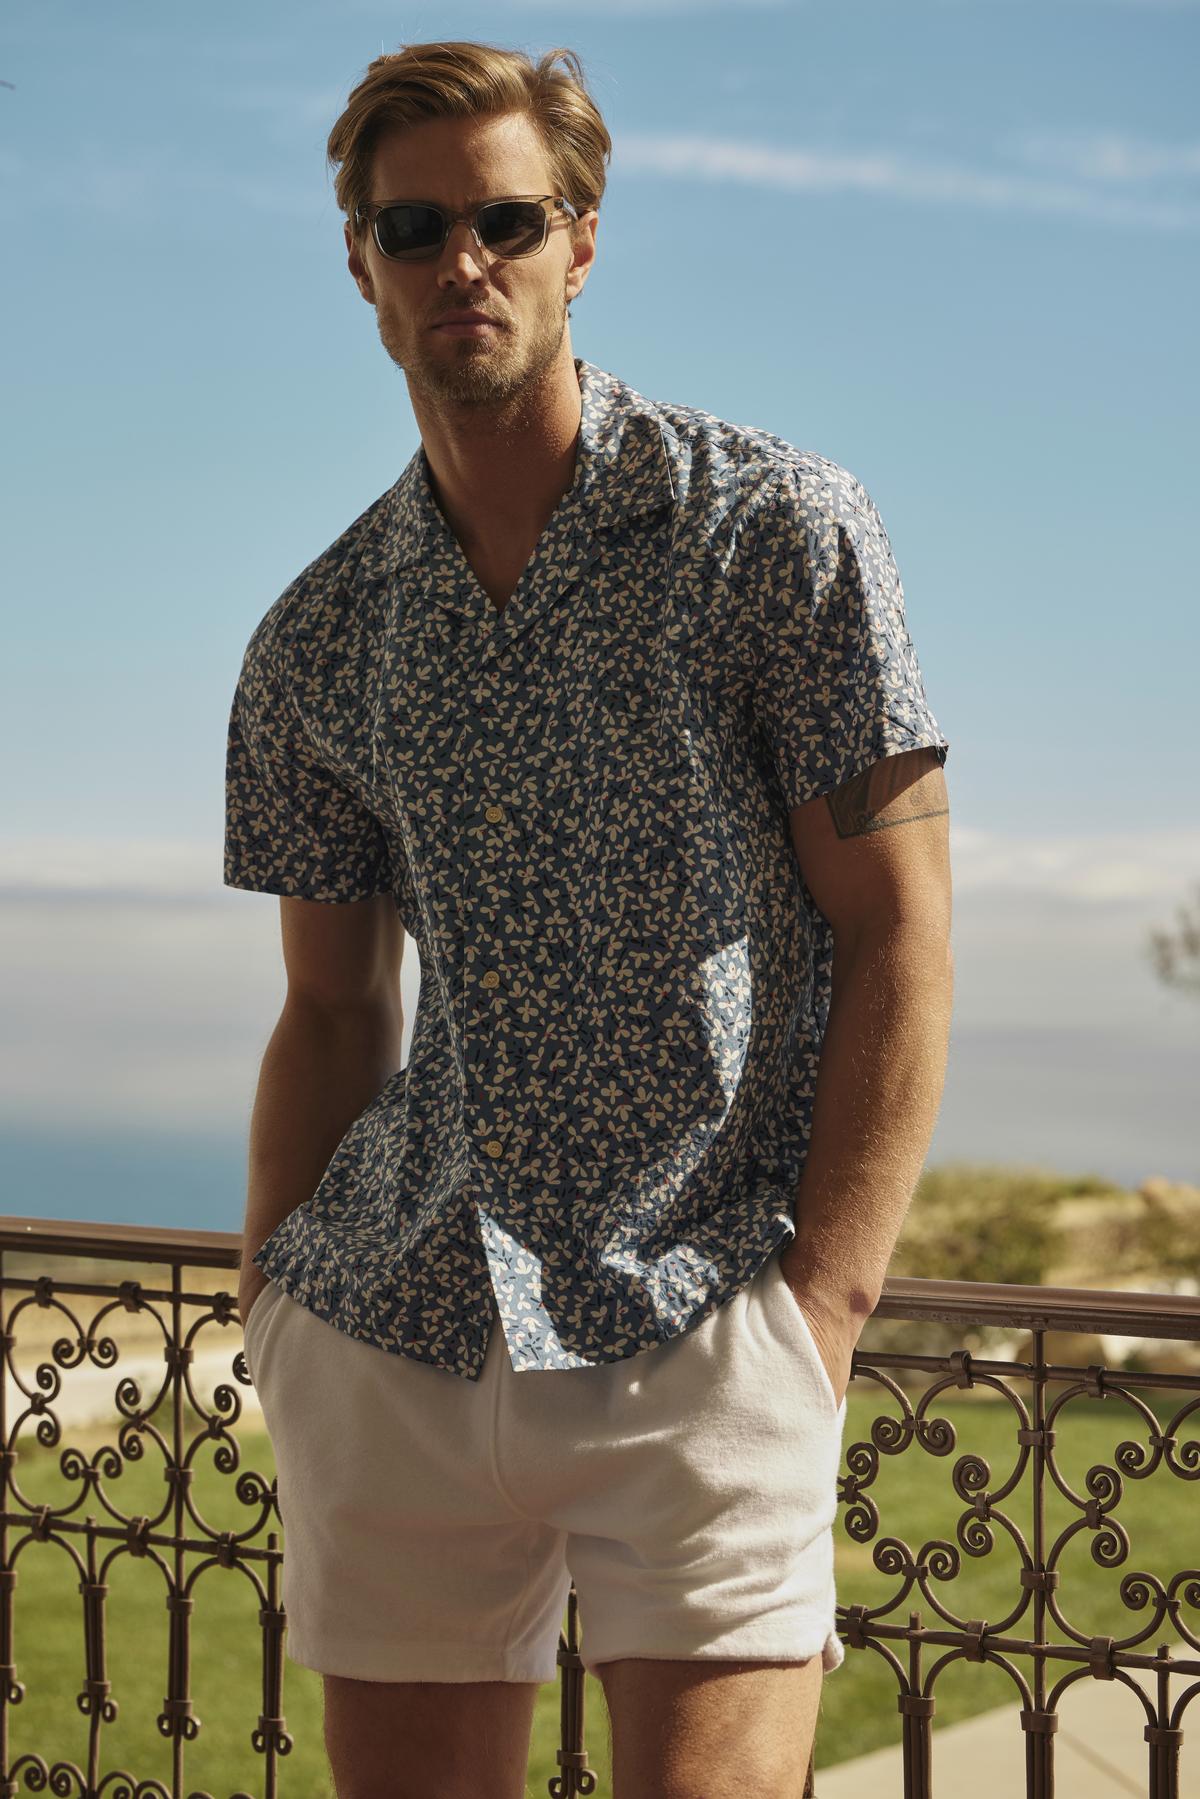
(951, 246)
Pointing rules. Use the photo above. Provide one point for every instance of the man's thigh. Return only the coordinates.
(428, 1739)
(705, 1729)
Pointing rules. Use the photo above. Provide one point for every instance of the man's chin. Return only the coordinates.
(475, 379)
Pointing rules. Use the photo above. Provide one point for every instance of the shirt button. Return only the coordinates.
(490, 979)
(494, 814)
(494, 1147)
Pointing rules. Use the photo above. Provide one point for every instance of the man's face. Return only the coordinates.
(458, 163)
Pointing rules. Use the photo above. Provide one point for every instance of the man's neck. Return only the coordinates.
(496, 478)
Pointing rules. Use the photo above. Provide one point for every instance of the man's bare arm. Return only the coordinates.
(874, 854)
(336, 1043)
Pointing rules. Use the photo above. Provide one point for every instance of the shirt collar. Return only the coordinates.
(629, 462)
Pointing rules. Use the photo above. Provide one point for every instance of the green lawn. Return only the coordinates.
(917, 1504)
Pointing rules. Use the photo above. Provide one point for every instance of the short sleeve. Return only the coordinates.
(836, 682)
(292, 825)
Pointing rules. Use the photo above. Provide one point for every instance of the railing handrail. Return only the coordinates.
(121, 1242)
(1110, 1311)
(1103, 1310)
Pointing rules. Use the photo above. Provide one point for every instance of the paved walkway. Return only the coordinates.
(1099, 1752)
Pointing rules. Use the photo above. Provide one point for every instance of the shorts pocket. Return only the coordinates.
(797, 1332)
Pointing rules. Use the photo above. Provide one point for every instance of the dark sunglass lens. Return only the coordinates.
(512, 227)
(409, 230)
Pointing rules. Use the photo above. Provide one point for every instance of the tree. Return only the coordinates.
(1176, 958)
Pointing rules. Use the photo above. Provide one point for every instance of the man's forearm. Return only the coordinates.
(879, 1086)
(321, 1068)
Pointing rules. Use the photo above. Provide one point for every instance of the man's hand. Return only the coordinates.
(835, 1329)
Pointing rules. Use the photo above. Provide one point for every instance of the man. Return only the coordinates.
(612, 706)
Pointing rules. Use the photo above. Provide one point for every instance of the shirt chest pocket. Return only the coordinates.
(638, 745)
(640, 794)
(666, 844)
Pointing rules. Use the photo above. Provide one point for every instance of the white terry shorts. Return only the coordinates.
(432, 1525)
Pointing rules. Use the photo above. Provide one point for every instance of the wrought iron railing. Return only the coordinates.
(1037, 1628)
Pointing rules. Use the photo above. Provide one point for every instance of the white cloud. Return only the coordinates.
(1108, 156)
(1153, 866)
(893, 174)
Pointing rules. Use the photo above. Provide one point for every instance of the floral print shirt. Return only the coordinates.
(580, 805)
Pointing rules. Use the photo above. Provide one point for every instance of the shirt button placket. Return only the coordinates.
(488, 1017)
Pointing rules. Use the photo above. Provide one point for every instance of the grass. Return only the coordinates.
(913, 1491)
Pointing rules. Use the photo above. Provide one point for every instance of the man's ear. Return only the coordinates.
(587, 240)
(357, 265)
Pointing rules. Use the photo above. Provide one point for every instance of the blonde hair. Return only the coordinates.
(470, 80)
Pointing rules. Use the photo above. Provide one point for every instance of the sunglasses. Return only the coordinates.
(415, 230)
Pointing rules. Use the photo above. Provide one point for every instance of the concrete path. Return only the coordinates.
(1099, 1752)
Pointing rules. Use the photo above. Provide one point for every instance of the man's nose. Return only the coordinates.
(462, 241)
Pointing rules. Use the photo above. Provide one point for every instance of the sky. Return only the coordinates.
(950, 246)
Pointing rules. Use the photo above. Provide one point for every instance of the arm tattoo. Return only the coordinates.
(885, 795)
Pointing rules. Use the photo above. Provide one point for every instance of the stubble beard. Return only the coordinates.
(485, 375)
